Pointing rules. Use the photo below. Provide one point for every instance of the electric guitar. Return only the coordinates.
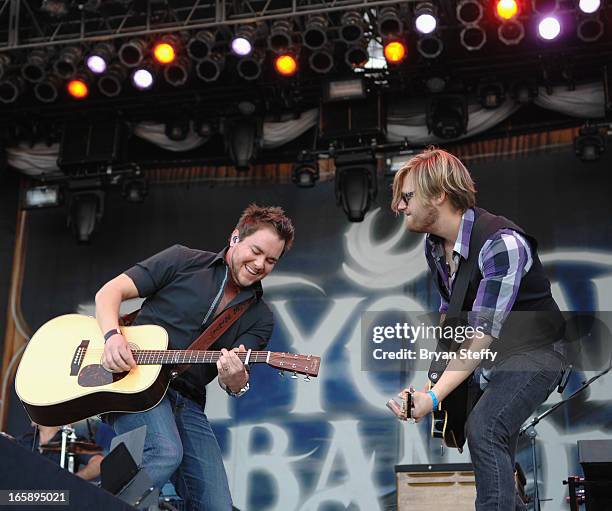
(60, 378)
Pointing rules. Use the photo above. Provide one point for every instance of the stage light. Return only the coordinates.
(491, 94)
(100, 57)
(280, 39)
(589, 144)
(177, 72)
(590, 29)
(240, 141)
(45, 196)
(78, 88)
(111, 83)
(306, 172)
(68, 61)
(243, 42)
(177, 129)
(549, 28)
(511, 32)
(285, 64)
(357, 54)
(10, 89)
(135, 190)
(142, 78)
(389, 22)
(164, 53)
(210, 68)
(47, 91)
(249, 67)
(469, 11)
(315, 32)
(322, 60)
(430, 46)
(201, 45)
(473, 38)
(352, 27)
(589, 6)
(35, 68)
(424, 18)
(447, 116)
(355, 184)
(85, 212)
(395, 52)
(132, 52)
(506, 9)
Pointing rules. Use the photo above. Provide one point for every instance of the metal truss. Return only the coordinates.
(23, 24)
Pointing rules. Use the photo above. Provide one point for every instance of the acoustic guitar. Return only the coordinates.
(60, 378)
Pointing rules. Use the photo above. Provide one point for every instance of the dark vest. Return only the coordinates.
(535, 319)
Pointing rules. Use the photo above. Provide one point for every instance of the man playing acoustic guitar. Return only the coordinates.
(488, 268)
(185, 290)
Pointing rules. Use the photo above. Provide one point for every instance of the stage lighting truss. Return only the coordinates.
(111, 83)
(177, 73)
(68, 61)
(356, 55)
(35, 68)
(314, 36)
(249, 67)
(10, 89)
(590, 28)
(210, 68)
(389, 22)
(469, 12)
(430, 46)
(133, 52)
(473, 37)
(201, 45)
(352, 27)
(322, 59)
(511, 32)
(280, 38)
(48, 90)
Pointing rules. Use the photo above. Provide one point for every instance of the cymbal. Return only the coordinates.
(77, 447)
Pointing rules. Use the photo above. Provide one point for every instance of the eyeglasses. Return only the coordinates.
(405, 197)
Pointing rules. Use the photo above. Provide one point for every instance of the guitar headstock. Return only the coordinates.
(302, 364)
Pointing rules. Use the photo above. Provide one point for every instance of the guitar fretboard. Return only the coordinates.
(151, 357)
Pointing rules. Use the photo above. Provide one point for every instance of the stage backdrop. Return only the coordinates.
(331, 443)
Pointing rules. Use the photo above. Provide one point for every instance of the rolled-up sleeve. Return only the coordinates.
(155, 272)
(503, 261)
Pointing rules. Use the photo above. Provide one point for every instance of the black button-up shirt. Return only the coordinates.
(180, 285)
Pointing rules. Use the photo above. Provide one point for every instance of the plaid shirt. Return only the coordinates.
(503, 261)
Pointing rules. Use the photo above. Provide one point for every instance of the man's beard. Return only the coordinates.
(423, 225)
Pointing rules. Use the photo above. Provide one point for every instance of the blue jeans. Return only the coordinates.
(517, 386)
(180, 446)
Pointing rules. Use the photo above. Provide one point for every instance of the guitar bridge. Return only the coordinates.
(78, 357)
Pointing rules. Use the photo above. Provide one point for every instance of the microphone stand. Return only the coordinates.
(529, 428)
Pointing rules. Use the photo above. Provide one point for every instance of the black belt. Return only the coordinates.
(189, 390)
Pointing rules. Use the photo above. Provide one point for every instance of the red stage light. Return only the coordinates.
(164, 53)
(507, 9)
(78, 89)
(286, 64)
(395, 52)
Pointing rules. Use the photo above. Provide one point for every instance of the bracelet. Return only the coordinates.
(434, 398)
(241, 392)
(110, 333)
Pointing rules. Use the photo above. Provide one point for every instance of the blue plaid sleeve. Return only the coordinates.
(503, 261)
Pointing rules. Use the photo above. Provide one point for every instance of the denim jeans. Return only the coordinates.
(517, 386)
(180, 446)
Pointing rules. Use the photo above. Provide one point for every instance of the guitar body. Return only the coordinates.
(60, 379)
(448, 421)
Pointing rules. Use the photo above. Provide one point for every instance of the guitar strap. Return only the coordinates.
(208, 337)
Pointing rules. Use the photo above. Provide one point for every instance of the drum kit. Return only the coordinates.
(69, 447)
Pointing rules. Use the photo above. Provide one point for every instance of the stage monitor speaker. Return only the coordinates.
(445, 487)
(24, 470)
(595, 456)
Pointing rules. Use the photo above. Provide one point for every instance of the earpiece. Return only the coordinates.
(235, 239)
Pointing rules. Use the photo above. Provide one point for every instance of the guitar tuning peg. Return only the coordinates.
(306, 378)
(294, 376)
(281, 374)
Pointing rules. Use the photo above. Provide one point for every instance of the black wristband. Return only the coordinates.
(110, 333)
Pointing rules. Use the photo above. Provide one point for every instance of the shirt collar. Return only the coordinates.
(462, 243)
(220, 259)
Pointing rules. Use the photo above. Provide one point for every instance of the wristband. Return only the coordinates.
(110, 333)
(434, 398)
(241, 392)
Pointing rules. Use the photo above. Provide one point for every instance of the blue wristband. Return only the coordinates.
(432, 394)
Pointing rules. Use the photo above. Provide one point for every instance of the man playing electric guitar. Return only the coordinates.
(185, 290)
(488, 267)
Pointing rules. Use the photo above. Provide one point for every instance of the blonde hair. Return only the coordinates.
(436, 171)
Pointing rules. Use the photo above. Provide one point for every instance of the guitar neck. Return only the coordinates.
(152, 357)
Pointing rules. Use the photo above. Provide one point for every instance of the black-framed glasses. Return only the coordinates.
(405, 197)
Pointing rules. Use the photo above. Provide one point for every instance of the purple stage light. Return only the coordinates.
(96, 64)
(142, 79)
(549, 28)
(589, 6)
(426, 23)
(241, 46)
